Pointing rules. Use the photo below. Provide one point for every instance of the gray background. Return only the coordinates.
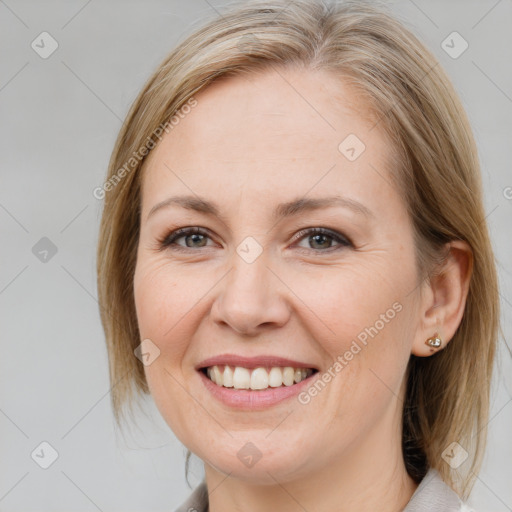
(59, 118)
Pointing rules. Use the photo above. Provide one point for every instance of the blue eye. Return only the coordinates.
(196, 237)
(319, 236)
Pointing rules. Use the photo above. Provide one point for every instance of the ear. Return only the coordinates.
(443, 298)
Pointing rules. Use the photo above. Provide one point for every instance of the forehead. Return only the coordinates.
(279, 132)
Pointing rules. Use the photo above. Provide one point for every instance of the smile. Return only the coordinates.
(256, 379)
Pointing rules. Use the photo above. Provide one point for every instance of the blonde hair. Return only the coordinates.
(436, 167)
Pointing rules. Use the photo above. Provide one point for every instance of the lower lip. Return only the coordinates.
(253, 400)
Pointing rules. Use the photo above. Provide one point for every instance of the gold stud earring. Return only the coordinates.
(434, 342)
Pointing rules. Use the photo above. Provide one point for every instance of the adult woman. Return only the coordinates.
(347, 377)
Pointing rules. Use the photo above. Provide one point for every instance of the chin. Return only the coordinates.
(258, 463)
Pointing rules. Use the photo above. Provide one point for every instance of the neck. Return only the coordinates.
(371, 477)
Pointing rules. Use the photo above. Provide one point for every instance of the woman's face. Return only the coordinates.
(258, 283)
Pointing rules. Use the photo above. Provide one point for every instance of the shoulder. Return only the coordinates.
(197, 501)
(434, 494)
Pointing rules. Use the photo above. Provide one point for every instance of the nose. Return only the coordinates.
(252, 298)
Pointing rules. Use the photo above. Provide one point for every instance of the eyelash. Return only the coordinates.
(168, 242)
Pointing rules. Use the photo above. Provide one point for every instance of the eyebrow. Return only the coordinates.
(288, 209)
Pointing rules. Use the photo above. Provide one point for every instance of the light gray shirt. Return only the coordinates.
(431, 494)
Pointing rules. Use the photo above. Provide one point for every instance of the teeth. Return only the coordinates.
(258, 378)
(217, 376)
(275, 377)
(228, 377)
(288, 376)
(241, 378)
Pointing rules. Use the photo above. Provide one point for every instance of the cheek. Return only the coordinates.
(364, 318)
(158, 314)
(164, 296)
(355, 302)
(162, 301)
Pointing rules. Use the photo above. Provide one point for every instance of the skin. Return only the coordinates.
(253, 142)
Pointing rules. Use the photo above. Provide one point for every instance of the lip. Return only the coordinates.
(264, 361)
(249, 400)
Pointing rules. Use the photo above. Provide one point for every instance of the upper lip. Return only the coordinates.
(252, 362)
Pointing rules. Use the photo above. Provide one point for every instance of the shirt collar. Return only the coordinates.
(433, 494)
